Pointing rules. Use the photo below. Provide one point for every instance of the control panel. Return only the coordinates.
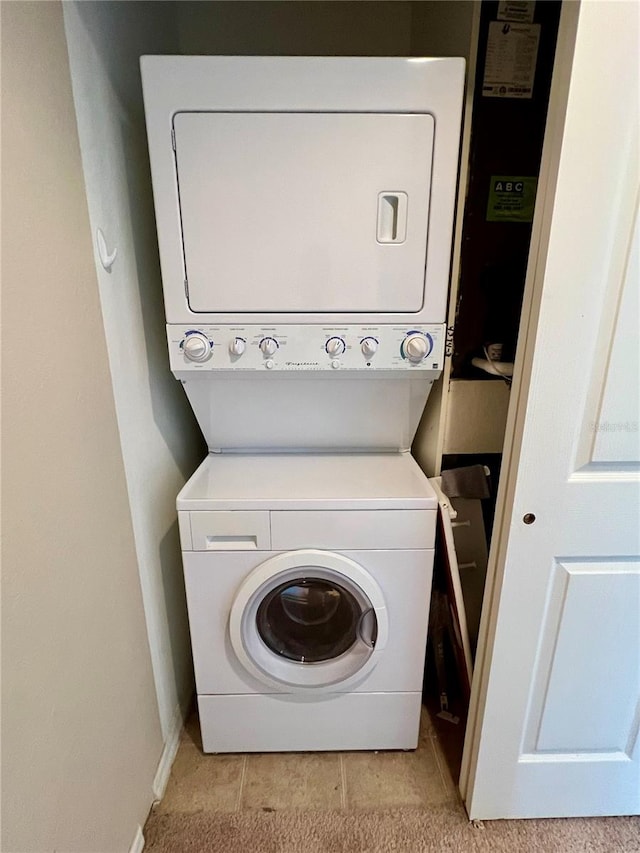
(306, 348)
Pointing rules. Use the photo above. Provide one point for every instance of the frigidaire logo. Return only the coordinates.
(301, 363)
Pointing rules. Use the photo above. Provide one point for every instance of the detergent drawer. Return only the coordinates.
(235, 530)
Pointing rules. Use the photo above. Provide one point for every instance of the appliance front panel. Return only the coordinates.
(304, 212)
(307, 388)
(276, 412)
(269, 349)
(213, 580)
(386, 165)
(228, 723)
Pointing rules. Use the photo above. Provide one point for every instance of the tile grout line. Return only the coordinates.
(445, 784)
(241, 786)
(343, 783)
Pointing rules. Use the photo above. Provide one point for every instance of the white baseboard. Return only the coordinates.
(137, 845)
(168, 753)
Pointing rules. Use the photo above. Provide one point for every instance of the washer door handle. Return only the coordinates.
(367, 627)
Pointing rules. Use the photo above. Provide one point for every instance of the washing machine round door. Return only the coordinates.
(309, 621)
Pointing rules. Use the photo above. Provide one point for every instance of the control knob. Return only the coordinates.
(416, 347)
(369, 347)
(335, 346)
(268, 346)
(237, 346)
(196, 347)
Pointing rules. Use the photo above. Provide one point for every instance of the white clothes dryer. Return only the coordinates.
(304, 189)
(308, 581)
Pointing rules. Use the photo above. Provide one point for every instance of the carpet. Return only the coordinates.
(444, 828)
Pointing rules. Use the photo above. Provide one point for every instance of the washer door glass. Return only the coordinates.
(309, 620)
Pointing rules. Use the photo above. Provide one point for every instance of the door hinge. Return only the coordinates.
(173, 139)
(186, 289)
(448, 343)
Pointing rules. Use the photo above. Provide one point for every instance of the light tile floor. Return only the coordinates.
(314, 780)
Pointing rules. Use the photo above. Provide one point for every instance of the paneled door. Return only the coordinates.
(555, 711)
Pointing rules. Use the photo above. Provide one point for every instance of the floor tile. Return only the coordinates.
(448, 740)
(310, 780)
(202, 782)
(427, 728)
(449, 762)
(191, 732)
(394, 779)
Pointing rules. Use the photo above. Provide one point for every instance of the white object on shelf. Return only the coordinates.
(495, 368)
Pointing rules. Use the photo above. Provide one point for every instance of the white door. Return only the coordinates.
(553, 728)
(311, 212)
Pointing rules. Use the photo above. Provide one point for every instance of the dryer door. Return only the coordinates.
(304, 212)
(309, 620)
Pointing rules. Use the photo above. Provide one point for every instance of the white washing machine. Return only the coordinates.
(304, 209)
(308, 581)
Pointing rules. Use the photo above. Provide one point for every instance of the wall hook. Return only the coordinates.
(106, 259)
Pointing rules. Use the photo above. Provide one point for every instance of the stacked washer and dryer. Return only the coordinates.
(304, 209)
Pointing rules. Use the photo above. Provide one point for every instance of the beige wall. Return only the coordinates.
(161, 443)
(396, 28)
(80, 731)
(442, 27)
(300, 28)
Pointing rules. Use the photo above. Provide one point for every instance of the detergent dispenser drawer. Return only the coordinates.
(225, 531)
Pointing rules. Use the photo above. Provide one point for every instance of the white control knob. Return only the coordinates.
(237, 346)
(416, 347)
(369, 347)
(335, 346)
(196, 347)
(268, 346)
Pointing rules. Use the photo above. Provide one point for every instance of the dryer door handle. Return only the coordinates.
(392, 217)
(367, 627)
